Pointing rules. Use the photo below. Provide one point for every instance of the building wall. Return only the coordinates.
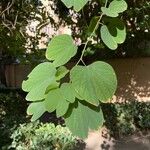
(133, 79)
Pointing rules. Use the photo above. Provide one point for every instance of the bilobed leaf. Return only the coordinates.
(76, 4)
(118, 30)
(81, 118)
(94, 83)
(61, 72)
(115, 7)
(109, 12)
(36, 109)
(61, 49)
(55, 101)
(38, 80)
(114, 33)
(107, 38)
(118, 6)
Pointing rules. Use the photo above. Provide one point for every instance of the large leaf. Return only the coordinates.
(114, 33)
(36, 109)
(81, 118)
(39, 79)
(61, 49)
(115, 7)
(76, 4)
(55, 101)
(94, 83)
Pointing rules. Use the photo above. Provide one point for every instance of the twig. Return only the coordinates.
(8, 7)
(89, 38)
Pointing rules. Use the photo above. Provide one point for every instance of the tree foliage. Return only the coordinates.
(78, 101)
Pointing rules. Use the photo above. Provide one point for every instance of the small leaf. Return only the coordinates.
(107, 38)
(36, 109)
(61, 72)
(114, 33)
(38, 80)
(109, 12)
(76, 4)
(115, 7)
(94, 83)
(118, 6)
(117, 30)
(81, 118)
(92, 25)
(61, 49)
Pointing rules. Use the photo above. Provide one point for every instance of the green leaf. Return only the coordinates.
(118, 30)
(92, 25)
(62, 108)
(61, 49)
(68, 92)
(76, 4)
(118, 6)
(61, 72)
(107, 38)
(115, 7)
(38, 80)
(36, 109)
(81, 118)
(52, 100)
(114, 33)
(109, 12)
(94, 83)
(55, 101)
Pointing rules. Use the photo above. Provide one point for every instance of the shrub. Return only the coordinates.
(125, 119)
(38, 136)
(12, 113)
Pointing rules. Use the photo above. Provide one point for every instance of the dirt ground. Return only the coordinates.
(101, 140)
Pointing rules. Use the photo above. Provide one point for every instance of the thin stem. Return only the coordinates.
(106, 3)
(89, 38)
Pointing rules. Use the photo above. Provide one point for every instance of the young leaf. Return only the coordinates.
(81, 118)
(76, 4)
(115, 7)
(38, 80)
(61, 49)
(94, 83)
(36, 109)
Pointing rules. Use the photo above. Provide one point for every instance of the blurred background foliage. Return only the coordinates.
(15, 16)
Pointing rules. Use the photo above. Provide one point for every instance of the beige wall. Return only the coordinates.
(133, 78)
